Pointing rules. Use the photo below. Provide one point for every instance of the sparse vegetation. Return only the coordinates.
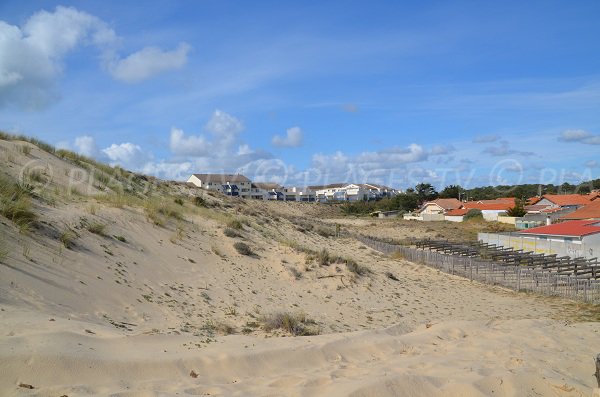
(473, 214)
(178, 201)
(96, 228)
(67, 238)
(357, 269)
(235, 224)
(3, 252)
(120, 238)
(15, 203)
(323, 257)
(229, 232)
(200, 202)
(391, 276)
(243, 248)
(297, 324)
(216, 251)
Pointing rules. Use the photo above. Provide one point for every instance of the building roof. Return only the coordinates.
(488, 207)
(267, 186)
(590, 211)
(446, 203)
(221, 178)
(577, 228)
(457, 212)
(330, 186)
(501, 204)
(567, 199)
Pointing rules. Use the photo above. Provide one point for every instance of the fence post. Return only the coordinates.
(518, 279)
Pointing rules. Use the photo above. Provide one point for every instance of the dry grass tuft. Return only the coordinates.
(15, 203)
(297, 324)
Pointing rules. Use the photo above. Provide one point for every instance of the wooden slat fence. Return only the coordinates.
(518, 278)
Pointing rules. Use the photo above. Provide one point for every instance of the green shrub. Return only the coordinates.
(200, 202)
(15, 203)
(120, 238)
(67, 238)
(229, 232)
(243, 248)
(323, 257)
(473, 214)
(178, 201)
(357, 269)
(96, 228)
(297, 324)
(235, 224)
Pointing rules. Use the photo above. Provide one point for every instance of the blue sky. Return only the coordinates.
(474, 93)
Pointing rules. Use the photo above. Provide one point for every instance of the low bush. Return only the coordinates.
(96, 228)
(243, 248)
(229, 232)
(235, 224)
(15, 203)
(200, 202)
(297, 324)
(357, 269)
(67, 238)
(323, 257)
(473, 214)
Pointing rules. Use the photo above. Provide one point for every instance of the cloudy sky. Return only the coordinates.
(474, 93)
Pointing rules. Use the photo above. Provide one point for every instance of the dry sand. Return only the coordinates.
(136, 317)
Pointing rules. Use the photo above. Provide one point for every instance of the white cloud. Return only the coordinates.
(86, 145)
(293, 138)
(188, 146)
(442, 149)
(31, 57)
(169, 170)
(485, 138)
(581, 136)
(504, 149)
(225, 130)
(224, 126)
(126, 154)
(591, 164)
(148, 62)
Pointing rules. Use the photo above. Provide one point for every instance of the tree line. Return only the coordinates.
(413, 198)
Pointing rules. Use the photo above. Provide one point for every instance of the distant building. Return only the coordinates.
(440, 206)
(228, 184)
(572, 238)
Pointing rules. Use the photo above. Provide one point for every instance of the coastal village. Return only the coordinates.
(551, 224)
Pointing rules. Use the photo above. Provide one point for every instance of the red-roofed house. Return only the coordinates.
(490, 209)
(590, 211)
(572, 238)
(456, 215)
(573, 229)
(440, 206)
(564, 200)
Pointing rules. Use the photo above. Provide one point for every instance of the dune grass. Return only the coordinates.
(15, 203)
(97, 228)
(297, 324)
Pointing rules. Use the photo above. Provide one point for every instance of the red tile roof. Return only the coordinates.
(590, 211)
(569, 228)
(567, 199)
(498, 205)
(457, 212)
(447, 204)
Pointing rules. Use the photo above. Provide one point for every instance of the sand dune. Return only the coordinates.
(455, 358)
(117, 298)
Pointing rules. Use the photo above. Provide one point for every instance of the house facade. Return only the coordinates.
(228, 184)
(571, 238)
